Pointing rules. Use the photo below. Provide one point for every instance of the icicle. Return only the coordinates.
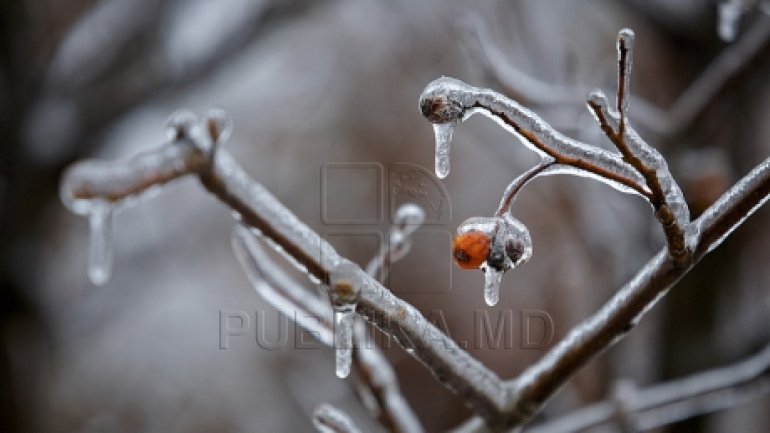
(492, 280)
(343, 340)
(100, 252)
(729, 16)
(344, 292)
(443, 132)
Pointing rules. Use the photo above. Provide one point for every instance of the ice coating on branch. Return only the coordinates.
(344, 292)
(511, 246)
(443, 132)
(328, 419)
(409, 217)
(219, 124)
(278, 289)
(653, 160)
(179, 122)
(100, 249)
(447, 101)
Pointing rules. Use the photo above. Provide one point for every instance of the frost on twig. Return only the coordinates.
(329, 419)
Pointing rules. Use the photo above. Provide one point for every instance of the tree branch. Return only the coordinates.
(667, 199)
(676, 400)
(624, 310)
(376, 376)
(254, 206)
(499, 404)
(329, 419)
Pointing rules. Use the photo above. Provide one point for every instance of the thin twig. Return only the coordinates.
(733, 59)
(280, 290)
(676, 400)
(517, 184)
(447, 101)
(312, 313)
(329, 419)
(667, 199)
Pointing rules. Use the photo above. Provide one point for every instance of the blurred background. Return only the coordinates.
(324, 100)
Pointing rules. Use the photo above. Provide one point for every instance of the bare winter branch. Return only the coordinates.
(329, 419)
(378, 380)
(667, 199)
(193, 150)
(255, 207)
(673, 401)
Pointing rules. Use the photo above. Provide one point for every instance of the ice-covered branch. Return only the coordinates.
(500, 404)
(255, 207)
(377, 379)
(621, 313)
(670, 207)
(447, 101)
(676, 400)
(280, 290)
(329, 419)
(529, 391)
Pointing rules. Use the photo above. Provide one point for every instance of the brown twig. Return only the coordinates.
(667, 200)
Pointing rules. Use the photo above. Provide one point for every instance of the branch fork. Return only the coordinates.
(195, 148)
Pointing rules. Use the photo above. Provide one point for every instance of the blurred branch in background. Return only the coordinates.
(496, 68)
(328, 419)
(669, 402)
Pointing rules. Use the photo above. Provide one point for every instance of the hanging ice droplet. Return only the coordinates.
(492, 280)
(100, 252)
(443, 132)
(345, 287)
(343, 340)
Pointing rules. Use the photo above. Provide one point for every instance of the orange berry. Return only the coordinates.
(471, 249)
